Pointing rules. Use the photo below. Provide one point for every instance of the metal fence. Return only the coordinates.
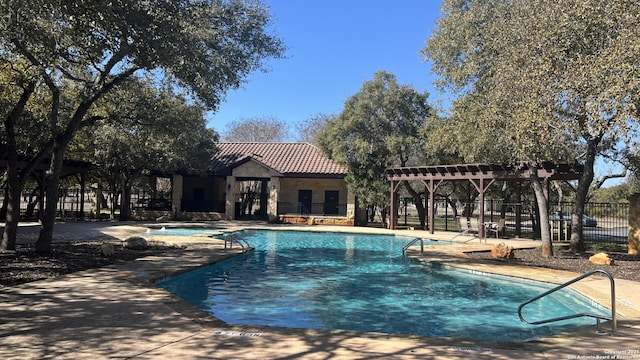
(604, 223)
(320, 209)
(70, 205)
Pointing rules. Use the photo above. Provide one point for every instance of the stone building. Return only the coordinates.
(278, 182)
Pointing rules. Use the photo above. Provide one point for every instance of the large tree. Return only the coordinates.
(309, 129)
(80, 51)
(382, 125)
(256, 129)
(147, 131)
(544, 74)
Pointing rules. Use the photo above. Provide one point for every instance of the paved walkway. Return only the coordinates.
(116, 312)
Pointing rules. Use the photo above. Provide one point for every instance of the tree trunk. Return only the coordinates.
(417, 200)
(5, 200)
(10, 233)
(535, 220)
(577, 241)
(383, 215)
(113, 193)
(31, 205)
(453, 205)
(541, 200)
(14, 183)
(52, 182)
(101, 202)
(112, 206)
(506, 198)
(13, 193)
(125, 200)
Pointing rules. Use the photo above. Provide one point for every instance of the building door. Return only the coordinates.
(304, 198)
(198, 199)
(331, 201)
(253, 198)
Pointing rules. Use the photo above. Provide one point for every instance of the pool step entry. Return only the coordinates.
(404, 249)
(598, 317)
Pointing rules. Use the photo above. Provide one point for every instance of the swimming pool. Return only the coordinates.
(362, 283)
(182, 231)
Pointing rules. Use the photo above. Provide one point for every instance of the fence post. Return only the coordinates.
(634, 224)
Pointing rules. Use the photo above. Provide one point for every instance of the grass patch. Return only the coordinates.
(608, 247)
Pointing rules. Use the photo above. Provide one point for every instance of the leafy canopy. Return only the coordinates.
(75, 52)
(541, 73)
(551, 79)
(205, 47)
(382, 125)
(148, 130)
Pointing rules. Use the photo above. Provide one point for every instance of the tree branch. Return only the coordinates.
(598, 183)
(55, 92)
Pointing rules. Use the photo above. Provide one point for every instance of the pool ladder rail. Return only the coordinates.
(232, 238)
(598, 317)
(404, 249)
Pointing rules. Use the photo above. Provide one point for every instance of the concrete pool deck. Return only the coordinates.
(116, 312)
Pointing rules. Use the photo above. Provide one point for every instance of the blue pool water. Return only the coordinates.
(181, 231)
(362, 283)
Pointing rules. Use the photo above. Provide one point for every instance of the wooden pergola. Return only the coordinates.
(481, 176)
(69, 167)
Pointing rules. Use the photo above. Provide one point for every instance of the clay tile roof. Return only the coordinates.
(288, 159)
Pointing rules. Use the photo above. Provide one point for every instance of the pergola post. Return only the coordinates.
(82, 190)
(518, 209)
(392, 208)
(432, 207)
(481, 210)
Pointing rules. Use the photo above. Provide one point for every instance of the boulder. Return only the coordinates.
(135, 243)
(106, 249)
(502, 251)
(601, 259)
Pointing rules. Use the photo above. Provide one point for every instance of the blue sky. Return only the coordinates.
(334, 46)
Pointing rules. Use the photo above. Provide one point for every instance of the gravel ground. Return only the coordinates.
(625, 266)
(23, 265)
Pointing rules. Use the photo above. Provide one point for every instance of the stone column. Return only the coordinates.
(634, 224)
(176, 194)
(274, 190)
(230, 201)
(351, 207)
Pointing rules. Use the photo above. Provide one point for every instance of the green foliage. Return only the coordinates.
(609, 248)
(76, 52)
(205, 46)
(148, 130)
(551, 73)
(542, 79)
(613, 195)
(380, 126)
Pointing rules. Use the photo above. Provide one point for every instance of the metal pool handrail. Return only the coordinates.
(598, 317)
(404, 249)
(231, 238)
